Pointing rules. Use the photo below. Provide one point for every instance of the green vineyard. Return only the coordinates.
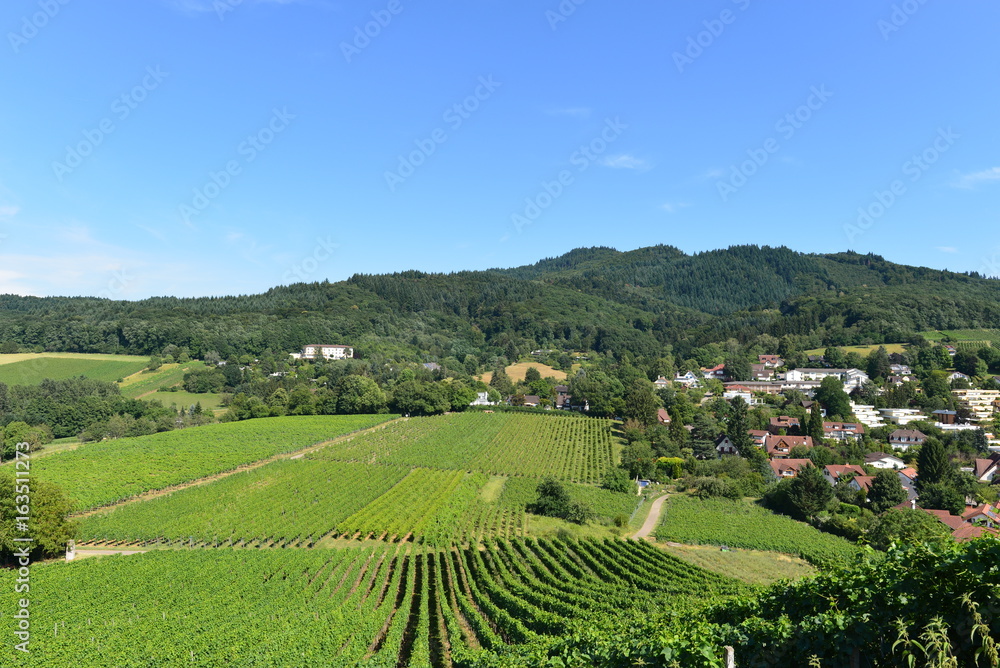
(104, 473)
(385, 604)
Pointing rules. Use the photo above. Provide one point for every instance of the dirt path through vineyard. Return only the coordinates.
(652, 519)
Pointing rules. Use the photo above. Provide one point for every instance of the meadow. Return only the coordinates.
(32, 368)
(518, 370)
(743, 524)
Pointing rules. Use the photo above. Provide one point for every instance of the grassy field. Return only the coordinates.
(208, 401)
(864, 351)
(517, 371)
(743, 524)
(145, 382)
(31, 369)
(753, 566)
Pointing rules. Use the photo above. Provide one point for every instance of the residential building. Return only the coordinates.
(843, 431)
(662, 416)
(867, 415)
(986, 469)
(981, 404)
(901, 416)
(776, 424)
(771, 361)
(788, 468)
(564, 399)
(881, 460)
(832, 472)
(482, 399)
(717, 372)
(908, 479)
(900, 369)
(661, 383)
(329, 352)
(724, 446)
(862, 483)
(758, 436)
(905, 438)
(432, 366)
(779, 447)
(852, 378)
(761, 373)
(957, 375)
(943, 417)
(688, 379)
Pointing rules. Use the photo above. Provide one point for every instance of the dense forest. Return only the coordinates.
(635, 303)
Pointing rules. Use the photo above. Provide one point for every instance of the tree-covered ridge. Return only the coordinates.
(589, 299)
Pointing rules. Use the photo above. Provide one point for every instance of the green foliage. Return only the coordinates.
(886, 491)
(809, 493)
(617, 480)
(45, 506)
(942, 496)
(932, 464)
(907, 527)
(34, 371)
(833, 398)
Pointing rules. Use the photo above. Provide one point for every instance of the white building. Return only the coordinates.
(852, 378)
(981, 404)
(867, 415)
(901, 416)
(327, 352)
(482, 399)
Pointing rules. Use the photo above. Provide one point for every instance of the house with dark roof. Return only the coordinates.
(905, 438)
(776, 424)
(724, 446)
(880, 460)
(843, 431)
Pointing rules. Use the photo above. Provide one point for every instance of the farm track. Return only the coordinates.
(295, 454)
(652, 519)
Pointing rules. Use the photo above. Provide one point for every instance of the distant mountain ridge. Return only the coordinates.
(636, 302)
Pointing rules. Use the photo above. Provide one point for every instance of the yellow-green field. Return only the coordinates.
(146, 382)
(863, 350)
(753, 566)
(208, 401)
(33, 368)
(517, 371)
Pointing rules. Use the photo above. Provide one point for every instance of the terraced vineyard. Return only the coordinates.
(106, 472)
(390, 604)
(571, 449)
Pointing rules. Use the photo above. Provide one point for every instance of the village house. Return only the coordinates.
(717, 372)
(943, 417)
(661, 383)
(771, 361)
(908, 479)
(881, 460)
(760, 373)
(981, 404)
(724, 446)
(688, 379)
(867, 415)
(776, 424)
(986, 469)
(564, 400)
(843, 431)
(482, 399)
(862, 483)
(901, 416)
(904, 439)
(788, 468)
(957, 375)
(758, 436)
(779, 447)
(662, 416)
(832, 472)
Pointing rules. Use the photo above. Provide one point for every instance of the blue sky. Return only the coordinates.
(206, 147)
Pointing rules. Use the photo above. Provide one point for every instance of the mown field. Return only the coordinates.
(31, 368)
(102, 473)
(390, 604)
(145, 382)
(517, 372)
(742, 524)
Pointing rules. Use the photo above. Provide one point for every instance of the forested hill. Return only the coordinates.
(635, 302)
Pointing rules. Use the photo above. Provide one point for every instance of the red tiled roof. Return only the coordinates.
(779, 466)
(837, 470)
(970, 531)
(946, 518)
(864, 481)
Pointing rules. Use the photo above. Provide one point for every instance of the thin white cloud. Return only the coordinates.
(626, 161)
(8, 211)
(974, 179)
(578, 112)
(947, 249)
(674, 207)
